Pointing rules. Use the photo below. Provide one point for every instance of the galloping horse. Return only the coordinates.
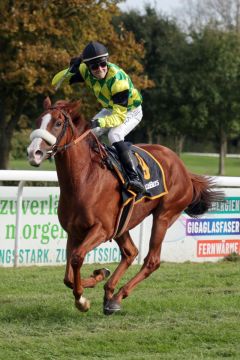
(90, 200)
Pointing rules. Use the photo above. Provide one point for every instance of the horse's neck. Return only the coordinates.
(73, 165)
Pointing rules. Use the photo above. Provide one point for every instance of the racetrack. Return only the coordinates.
(183, 311)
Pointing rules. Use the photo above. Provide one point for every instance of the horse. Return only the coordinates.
(90, 200)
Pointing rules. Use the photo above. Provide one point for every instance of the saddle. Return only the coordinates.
(151, 174)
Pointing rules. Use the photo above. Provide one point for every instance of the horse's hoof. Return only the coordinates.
(106, 272)
(110, 307)
(82, 304)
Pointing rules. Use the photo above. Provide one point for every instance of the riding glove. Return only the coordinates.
(74, 64)
(95, 123)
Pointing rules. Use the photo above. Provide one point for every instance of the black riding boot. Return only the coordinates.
(128, 161)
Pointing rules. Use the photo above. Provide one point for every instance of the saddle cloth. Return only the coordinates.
(151, 174)
(149, 171)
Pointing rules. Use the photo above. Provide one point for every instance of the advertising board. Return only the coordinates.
(42, 241)
(211, 237)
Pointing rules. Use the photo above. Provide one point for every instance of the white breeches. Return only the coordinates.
(119, 132)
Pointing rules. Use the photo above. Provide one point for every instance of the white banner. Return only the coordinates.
(42, 241)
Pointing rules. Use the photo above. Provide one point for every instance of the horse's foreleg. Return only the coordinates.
(97, 276)
(94, 237)
(68, 278)
(129, 253)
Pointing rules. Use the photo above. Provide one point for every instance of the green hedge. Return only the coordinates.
(19, 144)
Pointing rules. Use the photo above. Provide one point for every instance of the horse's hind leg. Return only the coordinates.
(129, 253)
(151, 262)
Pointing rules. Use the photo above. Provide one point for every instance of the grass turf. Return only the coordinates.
(196, 164)
(183, 311)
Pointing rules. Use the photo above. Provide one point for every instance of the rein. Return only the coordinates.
(56, 148)
(67, 122)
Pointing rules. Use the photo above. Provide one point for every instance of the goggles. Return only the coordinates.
(95, 66)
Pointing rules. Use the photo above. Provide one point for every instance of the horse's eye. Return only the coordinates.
(58, 124)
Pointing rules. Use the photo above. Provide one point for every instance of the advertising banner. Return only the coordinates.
(211, 237)
(42, 241)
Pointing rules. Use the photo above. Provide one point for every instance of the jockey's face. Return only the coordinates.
(99, 70)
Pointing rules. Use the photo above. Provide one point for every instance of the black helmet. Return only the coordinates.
(94, 51)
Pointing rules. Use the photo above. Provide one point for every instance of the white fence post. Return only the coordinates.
(18, 221)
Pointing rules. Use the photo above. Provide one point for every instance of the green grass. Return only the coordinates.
(196, 164)
(209, 165)
(23, 164)
(183, 311)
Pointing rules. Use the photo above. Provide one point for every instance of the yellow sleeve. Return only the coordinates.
(119, 86)
(60, 75)
(115, 119)
(119, 111)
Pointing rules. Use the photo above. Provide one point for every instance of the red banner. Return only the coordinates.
(217, 248)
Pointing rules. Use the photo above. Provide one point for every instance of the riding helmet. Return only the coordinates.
(94, 51)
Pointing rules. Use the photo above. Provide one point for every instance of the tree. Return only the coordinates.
(219, 65)
(39, 38)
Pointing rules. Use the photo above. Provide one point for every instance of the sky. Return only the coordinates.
(164, 6)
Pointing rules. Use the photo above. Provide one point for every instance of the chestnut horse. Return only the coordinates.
(90, 200)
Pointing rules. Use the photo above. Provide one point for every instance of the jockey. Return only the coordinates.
(121, 102)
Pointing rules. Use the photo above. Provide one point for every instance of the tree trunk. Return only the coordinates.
(8, 123)
(5, 146)
(158, 139)
(150, 135)
(222, 153)
(5, 138)
(178, 143)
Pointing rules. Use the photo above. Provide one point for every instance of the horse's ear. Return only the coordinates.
(47, 103)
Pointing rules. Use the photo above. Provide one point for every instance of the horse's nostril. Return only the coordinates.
(39, 153)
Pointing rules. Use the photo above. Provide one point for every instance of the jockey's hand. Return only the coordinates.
(74, 64)
(94, 124)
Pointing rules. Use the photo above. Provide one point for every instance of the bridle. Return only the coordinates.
(56, 148)
(67, 123)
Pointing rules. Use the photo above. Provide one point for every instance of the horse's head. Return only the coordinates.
(56, 127)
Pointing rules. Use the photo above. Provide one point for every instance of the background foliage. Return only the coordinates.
(189, 76)
(39, 39)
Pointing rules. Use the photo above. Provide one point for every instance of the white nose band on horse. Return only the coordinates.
(43, 134)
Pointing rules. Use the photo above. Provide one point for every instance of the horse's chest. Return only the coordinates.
(72, 216)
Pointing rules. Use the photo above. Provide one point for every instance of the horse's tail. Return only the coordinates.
(204, 194)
